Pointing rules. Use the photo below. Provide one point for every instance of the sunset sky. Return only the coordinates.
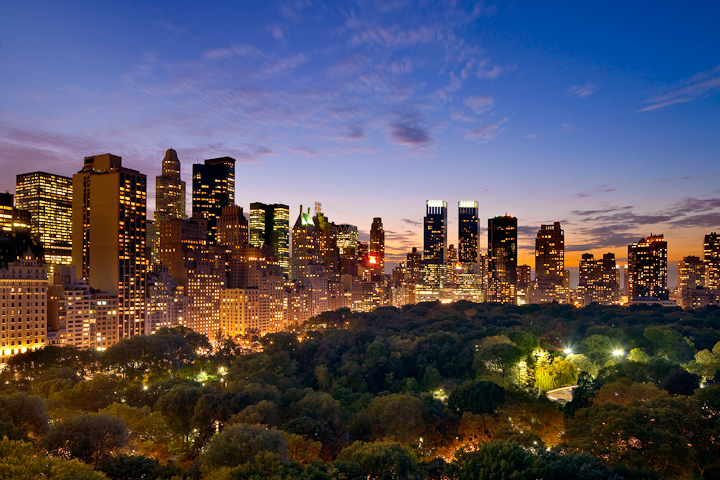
(604, 116)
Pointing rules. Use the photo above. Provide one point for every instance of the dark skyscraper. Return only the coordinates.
(169, 190)
(647, 268)
(502, 259)
(213, 188)
(48, 199)
(435, 231)
(468, 231)
(270, 225)
(377, 244)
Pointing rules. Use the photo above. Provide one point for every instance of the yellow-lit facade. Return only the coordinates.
(48, 199)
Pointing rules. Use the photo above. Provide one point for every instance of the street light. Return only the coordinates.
(568, 351)
(618, 353)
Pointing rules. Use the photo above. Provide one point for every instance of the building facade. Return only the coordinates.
(169, 190)
(647, 268)
(502, 259)
(435, 231)
(468, 231)
(213, 188)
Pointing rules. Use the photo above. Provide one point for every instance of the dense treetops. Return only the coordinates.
(427, 391)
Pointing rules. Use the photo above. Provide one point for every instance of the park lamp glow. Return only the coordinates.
(618, 353)
(568, 351)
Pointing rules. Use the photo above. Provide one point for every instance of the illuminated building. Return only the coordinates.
(468, 231)
(213, 188)
(306, 261)
(712, 261)
(598, 281)
(347, 239)
(691, 276)
(647, 268)
(11, 218)
(377, 244)
(165, 301)
(48, 199)
(23, 294)
(109, 238)
(270, 225)
(327, 241)
(435, 231)
(169, 190)
(550, 278)
(523, 284)
(199, 269)
(240, 312)
(232, 227)
(502, 259)
(152, 242)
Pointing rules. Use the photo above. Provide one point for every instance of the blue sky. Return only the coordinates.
(604, 116)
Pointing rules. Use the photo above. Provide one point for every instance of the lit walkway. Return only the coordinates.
(561, 395)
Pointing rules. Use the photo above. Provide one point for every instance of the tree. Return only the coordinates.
(598, 348)
(626, 392)
(238, 444)
(18, 461)
(638, 355)
(129, 467)
(477, 397)
(559, 373)
(89, 438)
(397, 418)
(23, 416)
(670, 344)
(93, 394)
(380, 461)
(680, 382)
(497, 461)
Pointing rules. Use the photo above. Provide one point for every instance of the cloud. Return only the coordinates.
(277, 32)
(395, 36)
(412, 135)
(701, 85)
(485, 133)
(414, 223)
(530, 135)
(484, 71)
(595, 191)
(480, 103)
(303, 150)
(582, 91)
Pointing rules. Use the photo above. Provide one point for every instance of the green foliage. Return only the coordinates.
(670, 344)
(89, 438)
(22, 416)
(380, 461)
(18, 461)
(498, 461)
(240, 443)
(560, 373)
(477, 397)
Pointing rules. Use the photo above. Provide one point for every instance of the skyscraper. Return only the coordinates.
(468, 231)
(48, 199)
(213, 188)
(109, 239)
(549, 266)
(270, 225)
(347, 239)
(712, 261)
(691, 275)
(647, 268)
(169, 190)
(502, 259)
(435, 231)
(598, 280)
(377, 244)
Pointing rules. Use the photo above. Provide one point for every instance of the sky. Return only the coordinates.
(604, 116)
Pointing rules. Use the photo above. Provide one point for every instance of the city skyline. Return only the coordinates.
(608, 126)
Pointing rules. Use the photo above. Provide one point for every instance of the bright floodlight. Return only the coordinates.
(618, 353)
(567, 351)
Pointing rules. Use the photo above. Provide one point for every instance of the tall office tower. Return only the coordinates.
(435, 231)
(691, 275)
(468, 231)
(712, 261)
(306, 261)
(23, 282)
(502, 259)
(377, 244)
(270, 225)
(213, 188)
(232, 227)
(48, 199)
(109, 208)
(165, 302)
(347, 239)
(550, 278)
(647, 268)
(11, 218)
(169, 190)
(598, 280)
(327, 241)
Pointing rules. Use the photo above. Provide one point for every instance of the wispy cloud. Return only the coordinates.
(480, 103)
(582, 91)
(485, 133)
(698, 86)
(595, 191)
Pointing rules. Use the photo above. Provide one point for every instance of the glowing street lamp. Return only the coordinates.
(618, 353)
(568, 351)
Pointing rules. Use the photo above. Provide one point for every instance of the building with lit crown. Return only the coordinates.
(711, 260)
(270, 225)
(169, 190)
(377, 245)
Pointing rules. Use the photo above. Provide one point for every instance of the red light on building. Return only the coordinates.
(458, 266)
(373, 259)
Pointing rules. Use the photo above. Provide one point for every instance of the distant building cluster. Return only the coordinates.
(80, 263)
